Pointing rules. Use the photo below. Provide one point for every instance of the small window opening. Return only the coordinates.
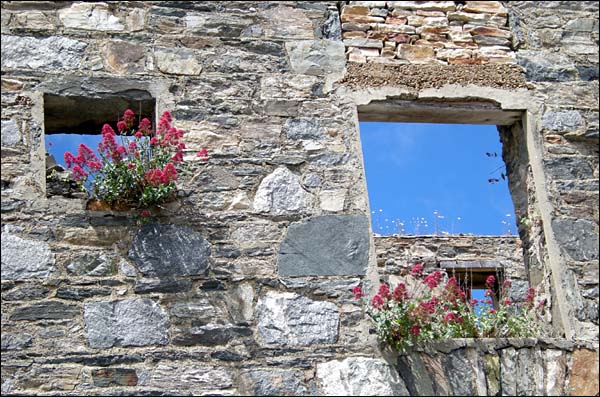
(73, 120)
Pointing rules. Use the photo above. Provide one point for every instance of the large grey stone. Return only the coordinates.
(130, 322)
(90, 16)
(281, 193)
(10, 133)
(273, 382)
(546, 66)
(359, 376)
(288, 319)
(199, 378)
(25, 258)
(303, 129)
(325, 245)
(45, 53)
(316, 57)
(577, 237)
(565, 168)
(169, 250)
(569, 120)
(91, 265)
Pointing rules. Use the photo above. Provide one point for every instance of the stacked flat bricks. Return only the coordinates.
(243, 284)
(447, 32)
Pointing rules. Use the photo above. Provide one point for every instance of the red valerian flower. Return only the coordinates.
(79, 173)
(506, 302)
(529, 297)
(490, 281)
(449, 317)
(145, 127)
(121, 126)
(145, 213)
(400, 293)
(358, 292)
(202, 153)
(384, 291)
(416, 270)
(128, 118)
(377, 302)
(415, 330)
(492, 311)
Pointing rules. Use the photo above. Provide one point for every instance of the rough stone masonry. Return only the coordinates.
(243, 284)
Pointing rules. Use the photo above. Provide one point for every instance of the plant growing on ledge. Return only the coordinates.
(139, 172)
(426, 308)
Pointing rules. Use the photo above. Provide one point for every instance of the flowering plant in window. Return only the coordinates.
(433, 306)
(135, 167)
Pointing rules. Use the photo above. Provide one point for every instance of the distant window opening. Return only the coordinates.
(436, 179)
(73, 120)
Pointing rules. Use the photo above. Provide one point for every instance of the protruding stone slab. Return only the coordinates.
(23, 259)
(359, 376)
(316, 57)
(130, 322)
(47, 310)
(170, 251)
(288, 319)
(281, 193)
(325, 246)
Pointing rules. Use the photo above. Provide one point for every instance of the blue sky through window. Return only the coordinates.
(428, 178)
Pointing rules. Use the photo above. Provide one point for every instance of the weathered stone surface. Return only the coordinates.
(281, 193)
(47, 310)
(577, 237)
(130, 322)
(565, 121)
(123, 57)
(210, 335)
(170, 251)
(28, 292)
(416, 53)
(49, 378)
(107, 377)
(145, 286)
(47, 53)
(269, 382)
(319, 57)
(23, 259)
(423, 5)
(91, 265)
(359, 376)
(325, 245)
(303, 129)
(15, 341)
(332, 200)
(197, 309)
(288, 319)
(189, 376)
(90, 16)
(555, 372)
(10, 133)
(544, 66)
(508, 371)
(569, 167)
(415, 375)
(80, 293)
(584, 373)
(177, 61)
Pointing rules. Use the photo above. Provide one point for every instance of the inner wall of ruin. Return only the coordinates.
(268, 237)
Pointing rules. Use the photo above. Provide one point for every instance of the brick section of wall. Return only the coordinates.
(417, 32)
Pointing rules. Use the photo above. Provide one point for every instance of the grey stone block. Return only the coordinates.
(48, 310)
(170, 251)
(325, 245)
(577, 237)
(130, 322)
(25, 258)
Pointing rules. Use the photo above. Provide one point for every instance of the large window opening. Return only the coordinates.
(436, 179)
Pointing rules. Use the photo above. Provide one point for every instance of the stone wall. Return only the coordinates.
(447, 32)
(243, 285)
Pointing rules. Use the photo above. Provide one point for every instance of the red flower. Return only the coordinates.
(79, 173)
(128, 118)
(69, 159)
(131, 166)
(358, 292)
(400, 293)
(507, 302)
(449, 317)
(459, 319)
(153, 141)
(474, 302)
(132, 145)
(145, 213)
(415, 330)
(377, 302)
(145, 127)
(506, 284)
(95, 165)
(416, 270)
(177, 157)
(138, 135)
(490, 281)
(86, 154)
(430, 281)
(492, 311)
(384, 291)
(488, 292)
(202, 154)
(121, 126)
